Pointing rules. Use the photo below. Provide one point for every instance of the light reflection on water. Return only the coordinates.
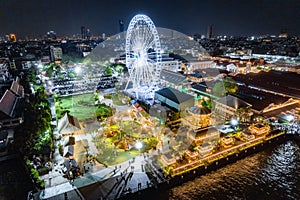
(270, 174)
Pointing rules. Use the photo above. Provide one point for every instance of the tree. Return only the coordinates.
(230, 85)
(72, 58)
(49, 69)
(71, 75)
(226, 86)
(207, 103)
(60, 111)
(119, 68)
(36, 130)
(103, 111)
(108, 71)
(218, 89)
(244, 114)
(153, 141)
(30, 76)
(96, 97)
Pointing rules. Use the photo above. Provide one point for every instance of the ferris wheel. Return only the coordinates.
(143, 53)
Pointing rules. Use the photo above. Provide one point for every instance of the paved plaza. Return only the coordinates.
(100, 183)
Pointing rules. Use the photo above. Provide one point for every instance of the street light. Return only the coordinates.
(138, 145)
(234, 122)
(50, 83)
(77, 69)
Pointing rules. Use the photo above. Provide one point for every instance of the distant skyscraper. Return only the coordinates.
(88, 33)
(55, 53)
(209, 31)
(83, 32)
(121, 25)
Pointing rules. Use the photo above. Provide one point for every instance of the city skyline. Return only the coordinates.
(35, 18)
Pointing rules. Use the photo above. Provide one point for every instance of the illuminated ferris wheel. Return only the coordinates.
(143, 53)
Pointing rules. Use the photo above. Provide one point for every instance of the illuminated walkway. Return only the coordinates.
(107, 183)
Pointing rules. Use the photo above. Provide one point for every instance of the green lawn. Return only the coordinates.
(81, 106)
(108, 157)
(118, 97)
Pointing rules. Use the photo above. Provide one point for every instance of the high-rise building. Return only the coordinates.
(55, 53)
(88, 33)
(210, 31)
(83, 32)
(121, 25)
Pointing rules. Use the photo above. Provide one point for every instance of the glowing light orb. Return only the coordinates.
(138, 145)
(77, 69)
(234, 122)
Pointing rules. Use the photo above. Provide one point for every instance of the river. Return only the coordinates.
(271, 174)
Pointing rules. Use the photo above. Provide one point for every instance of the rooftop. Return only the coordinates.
(196, 75)
(273, 80)
(68, 124)
(174, 95)
(9, 104)
(17, 88)
(281, 110)
(259, 99)
(208, 131)
(233, 102)
(200, 87)
(172, 77)
(68, 151)
(200, 110)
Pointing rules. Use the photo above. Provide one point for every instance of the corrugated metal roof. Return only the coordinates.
(200, 87)
(233, 102)
(172, 77)
(174, 95)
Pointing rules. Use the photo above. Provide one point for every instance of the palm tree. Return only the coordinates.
(244, 114)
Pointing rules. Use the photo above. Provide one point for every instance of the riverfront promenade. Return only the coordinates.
(107, 183)
(116, 181)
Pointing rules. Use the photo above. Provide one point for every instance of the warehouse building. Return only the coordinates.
(174, 98)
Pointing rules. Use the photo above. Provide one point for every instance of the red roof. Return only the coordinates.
(8, 103)
(17, 88)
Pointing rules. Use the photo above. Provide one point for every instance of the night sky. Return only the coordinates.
(34, 18)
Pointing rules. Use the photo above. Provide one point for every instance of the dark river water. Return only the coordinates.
(270, 174)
